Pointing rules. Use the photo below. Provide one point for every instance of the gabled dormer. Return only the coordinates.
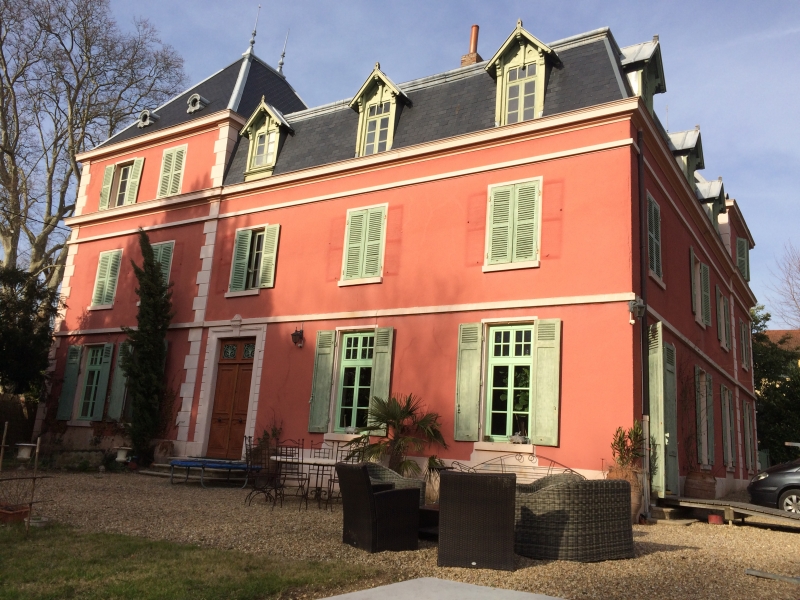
(711, 195)
(520, 68)
(378, 104)
(687, 147)
(266, 129)
(645, 71)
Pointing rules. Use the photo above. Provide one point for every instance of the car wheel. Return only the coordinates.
(790, 501)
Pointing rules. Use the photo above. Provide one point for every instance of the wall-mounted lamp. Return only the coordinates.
(637, 309)
(297, 337)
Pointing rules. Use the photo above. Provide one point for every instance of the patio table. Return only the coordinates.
(322, 467)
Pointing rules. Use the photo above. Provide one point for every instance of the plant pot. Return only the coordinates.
(122, 454)
(14, 513)
(24, 452)
(700, 484)
(634, 477)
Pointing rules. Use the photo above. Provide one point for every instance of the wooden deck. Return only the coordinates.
(735, 510)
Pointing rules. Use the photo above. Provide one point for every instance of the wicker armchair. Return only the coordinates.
(583, 521)
(380, 474)
(376, 521)
(476, 520)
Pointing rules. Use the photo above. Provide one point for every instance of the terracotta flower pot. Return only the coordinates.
(634, 477)
(15, 513)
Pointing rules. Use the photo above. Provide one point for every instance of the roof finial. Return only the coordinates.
(253, 36)
(283, 54)
(519, 23)
(377, 66)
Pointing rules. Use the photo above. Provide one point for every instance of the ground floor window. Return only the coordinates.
(355, 380)
(91, 382)
(510, 365)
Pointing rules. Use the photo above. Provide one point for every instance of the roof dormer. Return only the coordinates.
(711, 195)
(378, 104)
(687, 147)
(520, 69)
(266, 129)
(642, 64)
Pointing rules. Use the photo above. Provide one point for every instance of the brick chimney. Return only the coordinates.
(473, 56)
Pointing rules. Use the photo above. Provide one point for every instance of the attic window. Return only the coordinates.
(264, 129)
(377, 128)
(264, 153)
(196, 102)
(378, 103)
(147, 117)
(521, 94)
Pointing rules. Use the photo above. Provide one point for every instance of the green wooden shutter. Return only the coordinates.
(163, 256)
(382, 366)
(113, 274)
(705, 280)
(373, 243)
(105, 191)
(320, 402)
(500, 225)
(241, 254)
(748, 448)
(732, 427)
(710, 417)
(720, 312)
(698, 399)
(67, 398)
(691, 280)
(726, 432)
(672, 480)
(119, 383)
(525, 226)
(742, 247)
(727, 316)
(468, 383)
(743, 350)
(166, 173)
(546, 382)
(654, 236)
(269, 256)
(354, 245)
(133, 182)
(101, 279)
(177, 171)
(102, 382)
(656, 375)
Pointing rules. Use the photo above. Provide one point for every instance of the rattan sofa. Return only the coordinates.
(380, 474)
(583, 521)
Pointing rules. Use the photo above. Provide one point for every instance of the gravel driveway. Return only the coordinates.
(698, 561)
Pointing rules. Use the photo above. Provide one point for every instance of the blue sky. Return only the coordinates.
(729, 67)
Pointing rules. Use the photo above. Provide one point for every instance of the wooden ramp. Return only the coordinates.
(735, 510)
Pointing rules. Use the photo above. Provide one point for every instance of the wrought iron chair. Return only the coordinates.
(265, 473)
(343, 455)
(319, 475)
(290, 454)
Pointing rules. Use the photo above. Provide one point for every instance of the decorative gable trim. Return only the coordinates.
(377, 77)
(518, 37)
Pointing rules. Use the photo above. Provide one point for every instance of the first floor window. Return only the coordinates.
(701, 289)
(254, 257)
(365, 238)
(729, 427)
(121, 184)
(105, 283)
(89, 396)
(356, 380)
(513, 224)
(510, 366)
(704, 407)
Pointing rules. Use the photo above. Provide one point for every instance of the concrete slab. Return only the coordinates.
(431, 588)
(678, 522)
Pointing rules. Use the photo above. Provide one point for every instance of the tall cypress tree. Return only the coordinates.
(144, 358)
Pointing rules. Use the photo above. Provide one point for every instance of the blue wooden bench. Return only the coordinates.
(210, 463)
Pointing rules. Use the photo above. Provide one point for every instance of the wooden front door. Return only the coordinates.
(229, 414)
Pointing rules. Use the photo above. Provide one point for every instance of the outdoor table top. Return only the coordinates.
(306, 460)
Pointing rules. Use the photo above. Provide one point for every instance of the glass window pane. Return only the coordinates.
(349, 377)
(372, 125)
(385, 107)
(499, 400)
(371, 137)
(500, 376)
(498, 426)
(372, 110)
(345, 417)
(381, 146)
(370, 149)
(519, 424)
(365, 377)
(530, 88)
(363, 397)
(361, 418)
(348, 394)
(522, 376)
(513, 91)
(512, 74)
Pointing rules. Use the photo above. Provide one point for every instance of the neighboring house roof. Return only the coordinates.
(793, 341)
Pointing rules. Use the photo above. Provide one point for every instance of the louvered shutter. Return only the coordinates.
(726, 432)
(710, 417)
(241, 254)
(468, 382)
(742, 247)
(269, 256)
(115, 258)
(732, 426)
(546, 382)
(354, 244)
(698, 403)
(373, 245)
(500, 225)
(67, 398)
(525, 227)
(177, 171)
(163, 256)
(671, 478)
(727, 306)
(319, 403)
(105, 191)
(102, 382)
(705, 280)
(133, 182)
(166, 173)
(101, 279)
(654, 236)
(748, 447)
(655, 377)
(119, 383)
(720, 315)
(382, 367)
(692, 281)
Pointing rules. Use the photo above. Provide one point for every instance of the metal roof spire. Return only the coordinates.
(253, 36)
(283, 54)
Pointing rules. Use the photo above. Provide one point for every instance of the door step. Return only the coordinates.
(666, 513)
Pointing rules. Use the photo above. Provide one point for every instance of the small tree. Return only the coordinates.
(144, 357)
(409, 428)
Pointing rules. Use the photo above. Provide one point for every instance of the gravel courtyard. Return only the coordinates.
(698, 561)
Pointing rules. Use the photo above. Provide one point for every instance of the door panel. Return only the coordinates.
(239, 415)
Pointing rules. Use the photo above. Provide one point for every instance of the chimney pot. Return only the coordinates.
(472, 57)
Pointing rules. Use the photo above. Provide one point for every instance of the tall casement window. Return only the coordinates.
(172, 166)
(749, 436)
(701, 289)
(377, 135)
(743, 257)
(521, 93)
(121, 184)
(90, 402)
(744, 343)
(378, 103)
(163, 255)
(350, 369)
(105, 283)
(265, 129)
(255, 253)
(364, 241)
(704, 406)
(663, 411)
(521, 395)
(728, 428)
(513, 226)
(723, 320)
(654, 237)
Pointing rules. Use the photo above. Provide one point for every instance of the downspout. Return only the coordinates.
(643, 276)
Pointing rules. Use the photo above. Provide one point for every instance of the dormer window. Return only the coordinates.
(264, 129)
(377, 128)
(521, 94)
(378, 104)
(264, 153)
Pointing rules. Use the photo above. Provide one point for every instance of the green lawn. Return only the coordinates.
(61, 562)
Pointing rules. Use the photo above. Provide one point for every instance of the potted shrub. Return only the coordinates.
(626, 448)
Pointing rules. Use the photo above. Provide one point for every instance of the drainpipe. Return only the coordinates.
(643, 276)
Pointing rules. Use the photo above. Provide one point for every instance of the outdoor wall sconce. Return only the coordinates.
(297, 337)
(637, 309)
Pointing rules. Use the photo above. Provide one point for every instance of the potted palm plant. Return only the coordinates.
(626, 448)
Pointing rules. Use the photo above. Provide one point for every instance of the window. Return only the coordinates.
(654, 237)
(163, 255)
(510, 363)
(105, 283)
(521, 93)
(377, 128)
(512, 232)
(743, 257)
(95, 382)
(723, 320)
(378, 103)
(121, 184)
(254, 258)
(355, 380)
(171, 178)
(264, 129)
(265, 149)
(704, 405)
(749, 437)
(728, 428)
(701, 289)
(744, 339)
(364, 242)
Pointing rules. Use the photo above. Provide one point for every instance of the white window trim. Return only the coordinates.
(103, 306)
(183, 170)
(363, 280)
(487, 268)
(250, 292)
(652, 274)
(337, 363)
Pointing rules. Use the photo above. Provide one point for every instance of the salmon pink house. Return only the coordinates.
(492, 238)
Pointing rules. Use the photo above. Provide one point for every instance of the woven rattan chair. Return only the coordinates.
(584, 521)
(376, 521)
(380, 474)
(476, 520)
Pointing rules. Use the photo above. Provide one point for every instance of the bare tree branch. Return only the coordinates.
(786, 289)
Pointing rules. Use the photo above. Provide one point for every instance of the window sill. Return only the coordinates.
(706, 467)
(362, 281)
(505, 447)
(101, 307)
(253, 292)
(658, 280)
(340, 437)
(79, 423)
(530, 264)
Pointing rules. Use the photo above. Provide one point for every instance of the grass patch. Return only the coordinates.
(60, 562)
